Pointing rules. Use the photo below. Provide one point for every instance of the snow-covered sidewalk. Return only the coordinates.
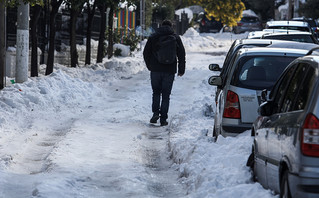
(84, 132)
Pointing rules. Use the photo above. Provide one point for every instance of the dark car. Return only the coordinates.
(285, 154)
(312, 23)
(248, 24)
(209, 25)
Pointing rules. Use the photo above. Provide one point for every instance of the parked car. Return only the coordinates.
(236, 45)
(209, 25)
(250, 71)
(289, 25)
(305, 37)
(259, 34)
(248, 24)
(312, 23)
(285, 154)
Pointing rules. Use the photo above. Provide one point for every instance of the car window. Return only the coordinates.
(305, 89)
(234, 57)
(297, 38)
(281, 89)
(249, 19)
(259, 72)
(292, 89)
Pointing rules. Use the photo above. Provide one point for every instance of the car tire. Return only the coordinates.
(284, 186)
(215, 135)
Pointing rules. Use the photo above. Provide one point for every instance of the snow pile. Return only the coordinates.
(125, 50)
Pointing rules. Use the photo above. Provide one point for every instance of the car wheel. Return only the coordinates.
(215, 135)
(284, 186)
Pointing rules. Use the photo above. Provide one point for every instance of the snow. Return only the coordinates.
(249, 13)
(84, 132)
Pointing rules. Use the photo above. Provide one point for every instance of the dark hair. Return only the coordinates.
(167, 23)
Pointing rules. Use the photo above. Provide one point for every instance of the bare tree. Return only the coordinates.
(55, 4)
(90, 12)
(36, 11)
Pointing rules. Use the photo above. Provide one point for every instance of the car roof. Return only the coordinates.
(273, 51)
(264, 41)
(288, 33)
(293, 45)
(314, 58)
(288, 23)
(259, 34)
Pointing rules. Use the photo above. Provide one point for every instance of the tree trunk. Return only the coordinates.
(2, 44)
(34, 41)
(55, 7)
(110, 31)
(91, 12)
(73, 51)
(100, 49)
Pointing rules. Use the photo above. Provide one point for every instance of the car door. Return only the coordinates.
(285, 125)
(267, 129)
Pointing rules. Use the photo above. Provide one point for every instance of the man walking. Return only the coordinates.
(160, 54)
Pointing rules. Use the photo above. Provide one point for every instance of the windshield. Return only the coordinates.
(259, 72)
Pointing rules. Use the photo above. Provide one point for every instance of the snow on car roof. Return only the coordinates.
(287, 23)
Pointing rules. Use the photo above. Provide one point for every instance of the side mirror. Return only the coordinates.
(215, 80)
(214, 67)
(265, 109)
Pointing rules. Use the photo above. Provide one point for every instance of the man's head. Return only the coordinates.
(167, 23)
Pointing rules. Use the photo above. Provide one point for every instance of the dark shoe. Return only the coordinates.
(154, 119)
(164, 123)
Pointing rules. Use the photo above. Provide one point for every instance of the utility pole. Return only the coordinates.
(22, 53)
(2, 43)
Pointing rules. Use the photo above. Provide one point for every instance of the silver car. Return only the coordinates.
(248, 24)
(250, 71)
(285, 154)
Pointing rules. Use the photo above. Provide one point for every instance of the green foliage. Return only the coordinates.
(264, 8)
(117, 52)
(310, 9)
(229, 12)
(163, 11)
(13, 3)
(129, 38)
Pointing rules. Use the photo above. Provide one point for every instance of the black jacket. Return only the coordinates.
(151, 61)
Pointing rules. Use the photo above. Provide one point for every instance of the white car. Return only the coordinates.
(251, 70)
(289, 25)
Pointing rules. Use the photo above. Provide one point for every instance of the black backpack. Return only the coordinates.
(165, 49)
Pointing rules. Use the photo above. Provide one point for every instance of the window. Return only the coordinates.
(282, 86)
(293, 86)
(305, 89)
(259, 72)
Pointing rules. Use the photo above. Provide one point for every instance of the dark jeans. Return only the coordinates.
(162, 84)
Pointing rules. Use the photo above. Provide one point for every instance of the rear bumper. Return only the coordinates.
(305, 187)
(234, 130)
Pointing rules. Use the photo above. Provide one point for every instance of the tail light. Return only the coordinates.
(239, 24)
(203, 22)
(232, 108)
(310, 136)
(317, 30)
